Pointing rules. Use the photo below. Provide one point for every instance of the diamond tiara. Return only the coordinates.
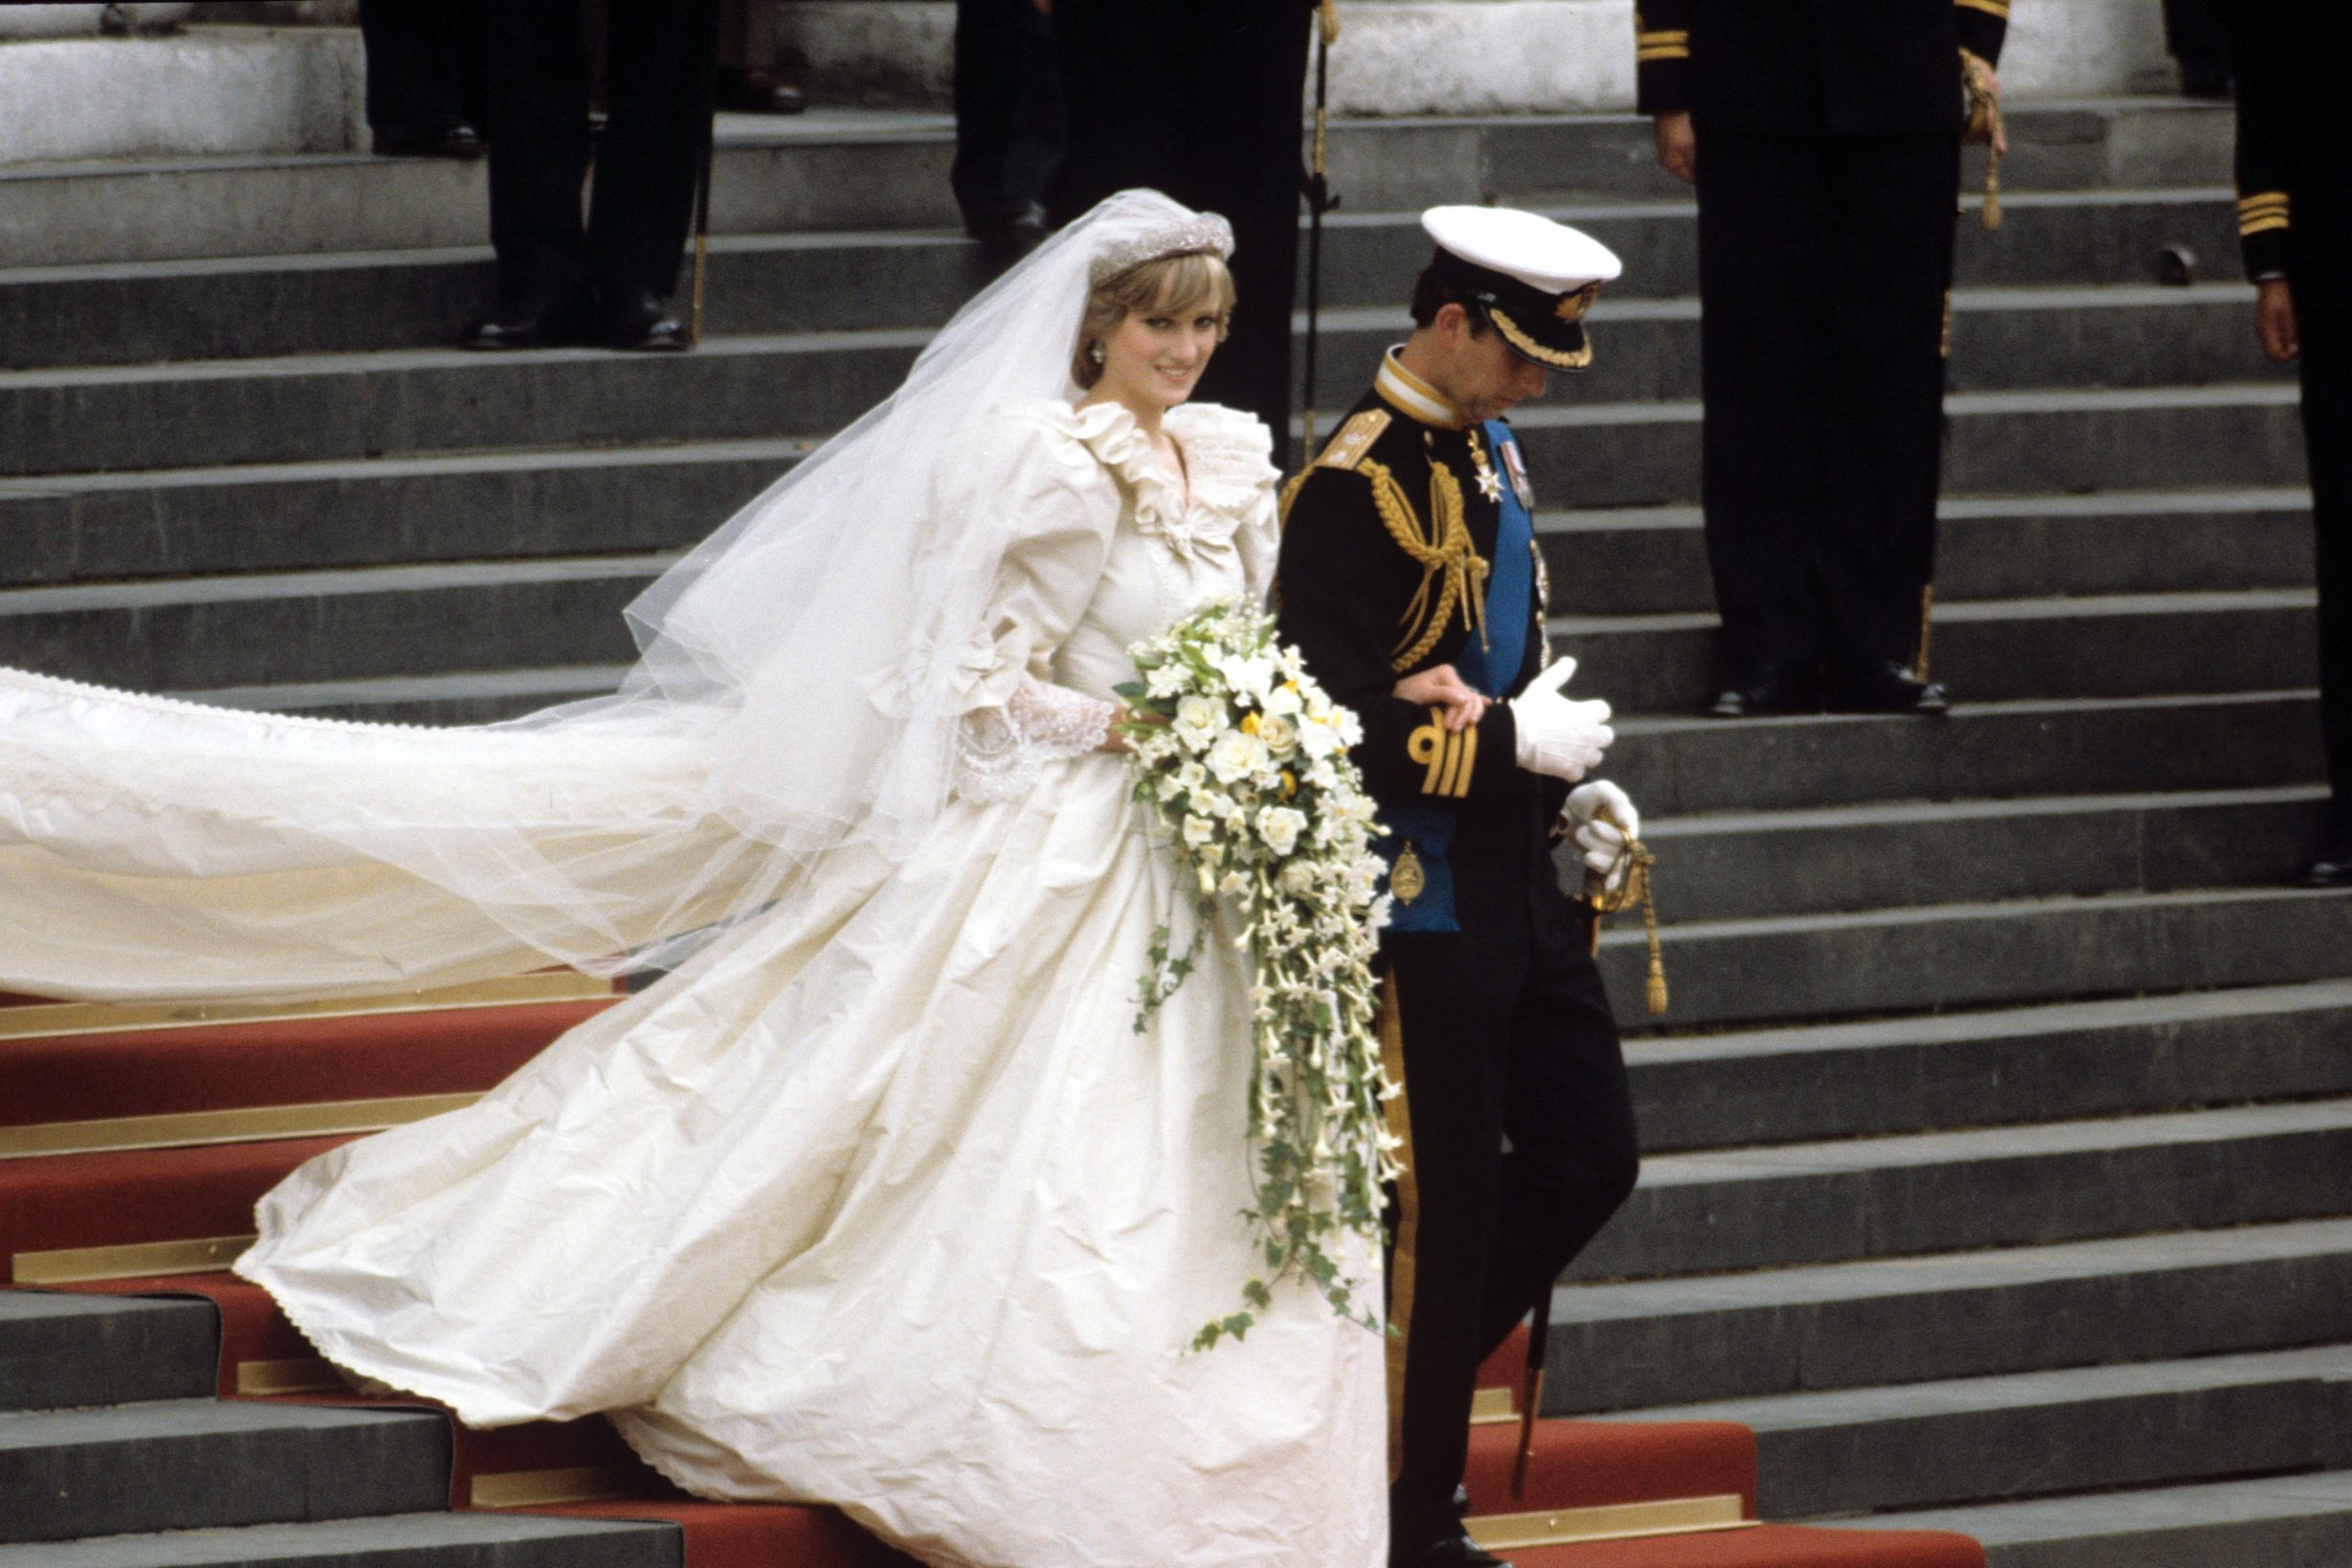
(1203, 234)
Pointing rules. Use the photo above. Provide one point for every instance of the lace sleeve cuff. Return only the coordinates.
(1000, 750)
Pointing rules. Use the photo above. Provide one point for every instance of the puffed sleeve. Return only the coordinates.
(1056, 510)
(1342, 584)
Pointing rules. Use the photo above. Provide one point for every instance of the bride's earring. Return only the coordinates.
(1094, 351)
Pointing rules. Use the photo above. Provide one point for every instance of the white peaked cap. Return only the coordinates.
(1547, 256)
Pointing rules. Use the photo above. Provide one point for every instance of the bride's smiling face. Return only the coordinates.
(1154, 357)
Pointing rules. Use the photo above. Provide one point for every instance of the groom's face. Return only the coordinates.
(1481, 377)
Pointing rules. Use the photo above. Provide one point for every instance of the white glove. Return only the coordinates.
(1602, 820)
(1556, 737)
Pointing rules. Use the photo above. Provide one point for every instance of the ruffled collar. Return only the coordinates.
(1227, 456)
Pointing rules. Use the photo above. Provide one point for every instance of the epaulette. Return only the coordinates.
(1352, 439)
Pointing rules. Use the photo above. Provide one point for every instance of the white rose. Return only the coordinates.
(1277, 733)
(1298, 879)
(1198, 720)
(1280, 827)
(1234, 756)
(1251, 675)
(1284, 700)
(1319, 738)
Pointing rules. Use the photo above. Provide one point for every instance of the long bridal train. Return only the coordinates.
(880, 1199)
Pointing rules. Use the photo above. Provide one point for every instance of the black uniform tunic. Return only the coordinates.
(1502, 1024)
(1829, 176)
(2295, 214)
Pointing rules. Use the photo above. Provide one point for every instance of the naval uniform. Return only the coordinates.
(2295, 215)
(1407, 544)
(1828, 176)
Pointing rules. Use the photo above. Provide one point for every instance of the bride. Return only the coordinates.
(878, 1199)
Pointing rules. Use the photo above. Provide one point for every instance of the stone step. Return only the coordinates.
(406, 1541)
(1752, 865)
(2070, 1060)
(1914, 959)
(2231, 437)
(59, 1351)
(2284, 1521)
(1652, 560)
(1992, 751)
(187, 633)
(1803, 1204)
(849, 169)
(139, 312)
(1999, 650)
(200, 1464)
(1914, 1320)
(2029, 1434)
(316, 406)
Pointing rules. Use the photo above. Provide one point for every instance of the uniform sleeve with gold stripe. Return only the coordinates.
(2265, 151)
(1342, 586)
(1983, 25)
(1661, 56)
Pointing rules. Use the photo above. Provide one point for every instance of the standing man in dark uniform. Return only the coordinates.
(2295, 214)
(1823, 138)
(1411, 581)
(1200, 99)
(606, 280)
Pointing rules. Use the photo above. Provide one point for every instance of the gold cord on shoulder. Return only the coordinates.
(1451, 572)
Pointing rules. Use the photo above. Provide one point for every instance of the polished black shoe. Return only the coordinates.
(439, 142)
(2331, 867)
(1879, 686)
(1462, 1502)
(759, 92)
(531, 324)
(1766, 689)
(638, 321)
(1454, 1552)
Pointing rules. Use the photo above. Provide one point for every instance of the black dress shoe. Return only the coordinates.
(759, 92)
(1454, 1552)
(1769, 688)
(531, 324)
(1879, 686)
(437, 142)
(1462, 1502)
(637, 320)
(2331, 867)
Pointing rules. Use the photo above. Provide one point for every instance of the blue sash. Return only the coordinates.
(1425, 828)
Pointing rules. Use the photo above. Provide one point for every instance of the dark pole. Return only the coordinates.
(1319, 201)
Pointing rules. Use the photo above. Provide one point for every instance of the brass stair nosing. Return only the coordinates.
(1609, 1522)
(48, 1020)
(239, 1123)
(132, 1260)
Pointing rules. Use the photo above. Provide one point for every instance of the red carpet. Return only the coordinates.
(58, 1202)
(282, 1062)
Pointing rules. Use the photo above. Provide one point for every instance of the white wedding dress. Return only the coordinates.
(881, 1199)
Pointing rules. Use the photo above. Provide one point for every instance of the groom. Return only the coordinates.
(1412, 580)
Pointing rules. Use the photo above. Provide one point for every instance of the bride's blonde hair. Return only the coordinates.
(1168, 286)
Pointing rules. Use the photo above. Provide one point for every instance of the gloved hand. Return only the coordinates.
(1556, 737)
(1601, 820)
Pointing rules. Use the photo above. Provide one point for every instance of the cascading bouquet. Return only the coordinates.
(1242, 760)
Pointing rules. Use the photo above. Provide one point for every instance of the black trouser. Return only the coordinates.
(1822, 270)
(1506, 1032)
(2197, 33)
(536, 96)
(2327, 433)
(421, 63)
(1200, 99)
(1008, 110)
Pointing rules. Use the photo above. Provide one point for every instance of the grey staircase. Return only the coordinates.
(114, 1454)
(2000, 1138)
